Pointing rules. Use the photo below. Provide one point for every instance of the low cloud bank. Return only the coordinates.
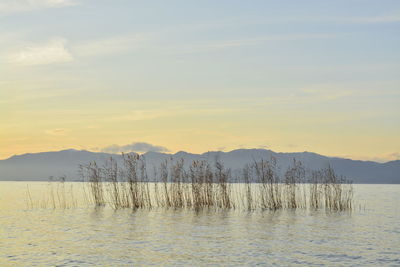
(134, 147)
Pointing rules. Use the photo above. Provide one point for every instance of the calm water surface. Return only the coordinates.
(84, 236)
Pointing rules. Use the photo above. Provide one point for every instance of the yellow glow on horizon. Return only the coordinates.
(192, 130)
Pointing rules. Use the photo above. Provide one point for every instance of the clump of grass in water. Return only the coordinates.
(315, 185)
(199, 172)
(293, 176)
(92, 174)
(269, 181)
(205, 186)
(110, 172)
(222, 177)
(177, 190)
(246, 173)
(135, 174)
(338, 192)
(58, 196)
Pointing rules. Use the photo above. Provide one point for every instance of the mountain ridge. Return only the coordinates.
(40, 166)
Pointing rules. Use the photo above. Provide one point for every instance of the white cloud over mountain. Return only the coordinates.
(134, 147)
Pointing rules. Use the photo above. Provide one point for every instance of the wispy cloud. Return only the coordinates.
(218, 45)
(395, 156)
(53, 51)
(111, 45)
(368, 20)
(57, 132)
(56, 49)
(386, 18)
(322, 94)
(134, 147)
(141, 114)
(15, 6)
(51, 3)
(379, 158)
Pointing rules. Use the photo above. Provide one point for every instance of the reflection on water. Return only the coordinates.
(82, 236)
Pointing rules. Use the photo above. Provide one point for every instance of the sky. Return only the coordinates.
(127, 75)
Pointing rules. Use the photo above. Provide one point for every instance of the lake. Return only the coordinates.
(33, 233)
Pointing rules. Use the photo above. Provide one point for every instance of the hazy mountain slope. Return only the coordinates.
(41, 166)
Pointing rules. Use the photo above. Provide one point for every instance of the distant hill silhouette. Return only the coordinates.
(41, 166)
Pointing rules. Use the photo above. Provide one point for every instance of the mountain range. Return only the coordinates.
(42, 166)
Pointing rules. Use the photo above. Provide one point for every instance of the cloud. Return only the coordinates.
(56, 132)
(58, 2)
(366, 20)
(394, 156)
(16, 6)
(56, 50)
(219, 45)
(53, 51)
(112, 45)
(386, 18)
(145, 114)
(134, 147)
(379, 158)
(322, 94)
(292, 145)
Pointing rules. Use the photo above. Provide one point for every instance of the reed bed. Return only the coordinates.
(202, 185)
(58, 196)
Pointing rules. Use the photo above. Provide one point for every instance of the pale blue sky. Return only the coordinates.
(321, 76)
